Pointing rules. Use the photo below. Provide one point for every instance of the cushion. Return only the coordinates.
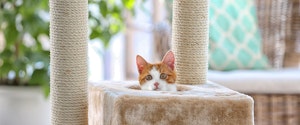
(235, 41)
(281, 81)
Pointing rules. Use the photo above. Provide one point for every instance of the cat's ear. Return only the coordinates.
(141, 63)
(169, 59)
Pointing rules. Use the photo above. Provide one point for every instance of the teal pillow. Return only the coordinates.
(234, 38)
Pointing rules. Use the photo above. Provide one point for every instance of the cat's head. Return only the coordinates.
(159, 76)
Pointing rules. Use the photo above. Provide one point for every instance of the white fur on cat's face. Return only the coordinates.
(163, 85)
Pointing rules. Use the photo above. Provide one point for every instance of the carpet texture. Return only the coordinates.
(123, 103)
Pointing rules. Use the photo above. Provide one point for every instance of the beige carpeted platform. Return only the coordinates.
(122, 103)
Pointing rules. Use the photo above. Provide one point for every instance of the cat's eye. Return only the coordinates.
(148, 77)
(163, 76)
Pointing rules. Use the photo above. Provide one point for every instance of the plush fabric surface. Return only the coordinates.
(235, 41)
(123, 103)
(281, 81)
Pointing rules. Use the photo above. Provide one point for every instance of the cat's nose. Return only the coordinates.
(156, 84)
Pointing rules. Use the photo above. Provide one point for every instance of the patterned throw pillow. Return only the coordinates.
(235, 41)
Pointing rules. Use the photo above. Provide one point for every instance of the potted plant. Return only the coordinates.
(24, 61)
(24, 54)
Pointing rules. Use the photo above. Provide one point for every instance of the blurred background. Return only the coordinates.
(251, 39)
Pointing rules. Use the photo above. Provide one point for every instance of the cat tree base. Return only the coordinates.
(123, 103)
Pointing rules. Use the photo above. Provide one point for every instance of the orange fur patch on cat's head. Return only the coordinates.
(159, 76)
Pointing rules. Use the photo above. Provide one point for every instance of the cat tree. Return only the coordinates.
(109, 103)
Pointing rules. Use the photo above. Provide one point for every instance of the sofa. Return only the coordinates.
(276, 90)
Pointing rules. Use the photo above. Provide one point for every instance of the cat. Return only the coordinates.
(159, 76)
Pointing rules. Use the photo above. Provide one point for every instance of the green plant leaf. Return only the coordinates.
(41, 56)
(46, 89)
(105, 37)
(129, 4)
(6, 67)
(44, 4)
(6, 54)
(11, 34)
(20, 64)
(39, 77)
(96, 32)
(103, 8)
(114, 28)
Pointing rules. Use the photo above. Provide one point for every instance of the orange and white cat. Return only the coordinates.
(157, 77)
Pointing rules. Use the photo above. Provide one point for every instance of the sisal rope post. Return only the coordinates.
(68, 54)
(190, 40)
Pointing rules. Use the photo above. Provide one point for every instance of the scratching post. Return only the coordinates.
(190, 40)
(68, 54)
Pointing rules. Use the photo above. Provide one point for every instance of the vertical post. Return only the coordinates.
(190, 40)
(68, 54)
(129, 45)
(160, 45)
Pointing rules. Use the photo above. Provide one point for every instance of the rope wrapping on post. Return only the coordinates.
(190, 40)
(68, 62)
